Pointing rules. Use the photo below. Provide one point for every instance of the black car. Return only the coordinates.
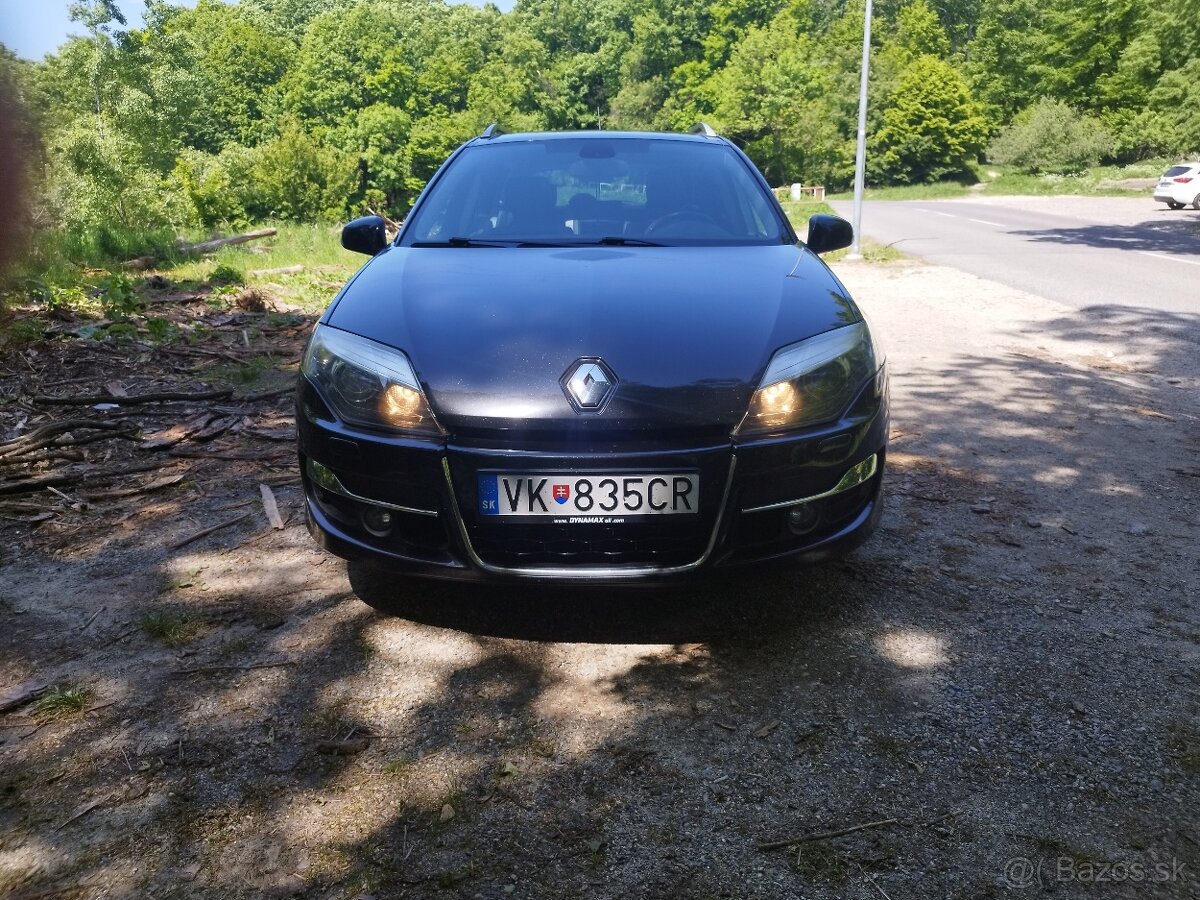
(592, 356)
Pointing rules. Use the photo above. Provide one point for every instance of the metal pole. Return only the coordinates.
(860, 156)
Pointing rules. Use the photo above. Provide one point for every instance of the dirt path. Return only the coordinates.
(1005, 677)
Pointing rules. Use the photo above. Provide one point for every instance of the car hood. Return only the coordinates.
(688, 331)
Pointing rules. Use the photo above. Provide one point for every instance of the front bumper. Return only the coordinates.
(411, 503)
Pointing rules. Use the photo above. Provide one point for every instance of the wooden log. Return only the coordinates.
(283, 270)
(218, 243)
(142, 263)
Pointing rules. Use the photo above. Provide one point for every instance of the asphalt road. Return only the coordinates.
(1081, 251)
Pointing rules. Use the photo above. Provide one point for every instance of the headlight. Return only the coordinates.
(813, 381)
(367, 383)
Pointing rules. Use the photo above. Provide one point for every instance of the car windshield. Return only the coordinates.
(1176, 170)
(621, 190)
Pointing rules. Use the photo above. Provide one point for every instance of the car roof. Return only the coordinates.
(525, 136)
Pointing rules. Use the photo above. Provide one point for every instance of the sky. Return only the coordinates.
(34, 28)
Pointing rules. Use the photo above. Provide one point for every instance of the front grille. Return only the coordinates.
(634, 544)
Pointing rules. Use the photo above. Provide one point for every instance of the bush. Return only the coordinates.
(220, 186)
(98, 181)
(932, 127)
(1050, 138)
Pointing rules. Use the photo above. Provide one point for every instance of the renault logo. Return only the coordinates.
(588, 384)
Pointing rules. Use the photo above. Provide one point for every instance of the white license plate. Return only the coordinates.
(589, 499)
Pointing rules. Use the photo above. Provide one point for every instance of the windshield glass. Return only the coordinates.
(597, 190)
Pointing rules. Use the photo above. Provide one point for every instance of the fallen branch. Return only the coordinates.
(274, 665)
(32, 485)
(180, 431)
(283, 270)
(240, 455)
(136, 399)
(205, 532)
(267, 395)
(218, 243)
(44, 435)
(54, 448)
(156, 485)
(281, 435)
(824, 835)
(81, 812)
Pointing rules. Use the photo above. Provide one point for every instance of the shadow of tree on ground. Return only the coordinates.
(1180, 235)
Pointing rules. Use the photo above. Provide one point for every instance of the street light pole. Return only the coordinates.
(860, 156)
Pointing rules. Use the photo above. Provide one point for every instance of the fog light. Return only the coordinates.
(377, 521)
(803, 518)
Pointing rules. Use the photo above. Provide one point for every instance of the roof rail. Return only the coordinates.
(491, 131)
(702, 128)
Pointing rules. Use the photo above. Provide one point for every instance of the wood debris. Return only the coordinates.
(205, 532)
(824, 835)
(20, 694)
(271, 507)
(347, 747)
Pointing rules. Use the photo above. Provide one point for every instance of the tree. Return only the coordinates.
(771, 95)
(932, 127)
(238, 60)
(351, 57)
(377, 137)
(919, 32)
(297, 177)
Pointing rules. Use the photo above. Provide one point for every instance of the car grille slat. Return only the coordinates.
(635, 544)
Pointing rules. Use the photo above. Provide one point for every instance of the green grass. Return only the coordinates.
(317, 248)
(61, 701)
(171, 628)
(312, 246)
(84, 279)
(940, 190)
(1100, 181)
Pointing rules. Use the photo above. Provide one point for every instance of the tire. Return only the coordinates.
(1174, 205)
(1196, 202)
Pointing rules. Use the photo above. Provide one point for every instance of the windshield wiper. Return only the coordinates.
(627, 242)
(464, 242)
(485, 242)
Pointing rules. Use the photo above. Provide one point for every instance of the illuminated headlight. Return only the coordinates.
(813, 381)
(366, 383)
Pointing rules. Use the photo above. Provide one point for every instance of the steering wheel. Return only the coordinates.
(681, 215)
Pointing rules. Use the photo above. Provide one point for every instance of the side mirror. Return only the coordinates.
(826, 233)
(365, 235)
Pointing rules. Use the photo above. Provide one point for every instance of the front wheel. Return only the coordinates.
(1174, 205)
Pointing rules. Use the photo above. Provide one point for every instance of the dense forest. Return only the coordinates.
(227, 113)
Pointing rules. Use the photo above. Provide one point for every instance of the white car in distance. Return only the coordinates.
(1180, 186)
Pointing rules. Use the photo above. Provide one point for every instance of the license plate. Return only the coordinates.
(589, 499)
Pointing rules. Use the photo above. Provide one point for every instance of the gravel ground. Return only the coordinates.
(1001, 685)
